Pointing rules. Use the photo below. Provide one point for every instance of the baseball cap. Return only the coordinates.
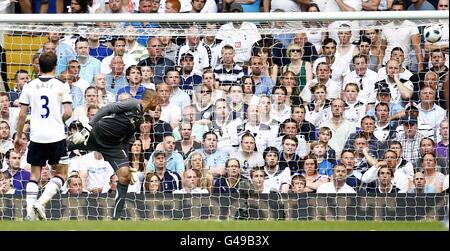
(411, 120)
(384, 90)
(159, 152)
(186, 55)
(411, 107)
(236, 6)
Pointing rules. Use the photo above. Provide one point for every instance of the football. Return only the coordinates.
(433, 33)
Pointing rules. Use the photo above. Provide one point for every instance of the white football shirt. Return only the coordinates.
(45, 96)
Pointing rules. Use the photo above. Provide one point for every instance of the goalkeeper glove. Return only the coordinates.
(83, 135)
(134, 176)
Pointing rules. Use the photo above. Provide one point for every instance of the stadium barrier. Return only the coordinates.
(256, 207)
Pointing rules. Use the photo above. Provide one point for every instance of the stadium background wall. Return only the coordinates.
(260, 206)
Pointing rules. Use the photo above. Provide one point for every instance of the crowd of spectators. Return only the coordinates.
(349, 110)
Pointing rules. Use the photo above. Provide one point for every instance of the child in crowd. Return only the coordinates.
(325, 135)
(318, 149)
(298, 183)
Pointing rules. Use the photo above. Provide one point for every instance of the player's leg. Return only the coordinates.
(36, 158)
(124, 176)
(32, 190)
(57, 157)
(52, 187)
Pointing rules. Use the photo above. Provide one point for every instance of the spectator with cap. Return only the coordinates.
(396, 111)
(189, 78)
(174, 160)
(169, 181)
(410, 139)
(201, 53)
(412, 110)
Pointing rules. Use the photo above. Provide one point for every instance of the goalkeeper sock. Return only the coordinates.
(52, 187)
(119, 203)
(32, 193)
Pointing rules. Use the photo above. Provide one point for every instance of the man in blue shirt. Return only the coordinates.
(214, 158)
(174, 160)
(20, 177)
(263, 84)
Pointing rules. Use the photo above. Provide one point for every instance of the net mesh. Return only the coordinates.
(93, 197)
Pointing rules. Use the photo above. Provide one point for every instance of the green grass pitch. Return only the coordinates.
(209, 225)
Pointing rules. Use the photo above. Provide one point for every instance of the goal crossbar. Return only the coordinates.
(204, 17)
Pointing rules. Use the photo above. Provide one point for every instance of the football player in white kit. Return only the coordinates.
(51, 105)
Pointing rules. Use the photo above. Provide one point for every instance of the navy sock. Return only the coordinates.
(119, 203)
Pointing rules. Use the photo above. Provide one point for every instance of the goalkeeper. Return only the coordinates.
(109, 133)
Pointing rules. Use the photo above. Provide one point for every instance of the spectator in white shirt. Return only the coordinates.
(338, 183)
(323, 76)
(338, 69)
(191, 184)
(402, 33)
(280, 111)
(201, 53)
(398, 54)
(119, 50)
(429, 112)
(241, 35)
(170, 112)
(276, 179)
(401, 89)
(364, 78)
(355, 110)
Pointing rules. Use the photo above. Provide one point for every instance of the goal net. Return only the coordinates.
(262, 116)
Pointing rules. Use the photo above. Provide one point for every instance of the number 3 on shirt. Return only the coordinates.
(45, 107)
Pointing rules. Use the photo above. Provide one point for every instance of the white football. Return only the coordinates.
(433, 33)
